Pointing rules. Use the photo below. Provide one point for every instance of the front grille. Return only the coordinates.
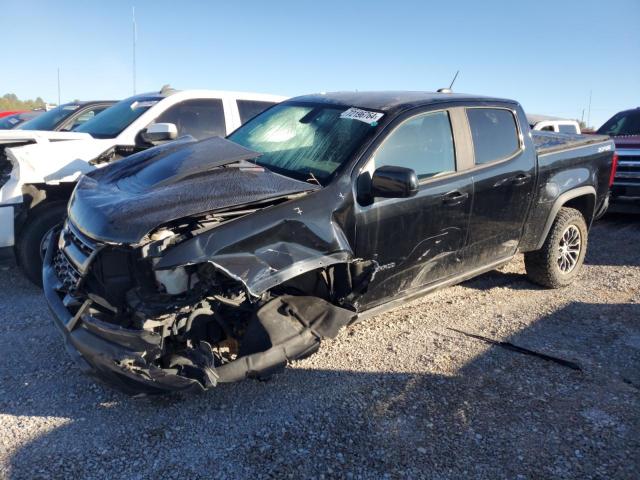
(628, 172)
(69, 277)
(71, 261)
(85, 245)
(86, 265)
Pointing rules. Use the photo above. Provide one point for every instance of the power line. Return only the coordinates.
(133, 18)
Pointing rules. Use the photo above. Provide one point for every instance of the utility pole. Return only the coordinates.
(58, 85)
(589, 111)
(133, 16)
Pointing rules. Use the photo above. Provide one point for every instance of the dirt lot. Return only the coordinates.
(401, 395)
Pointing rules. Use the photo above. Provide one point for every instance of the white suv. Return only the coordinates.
(33, 196)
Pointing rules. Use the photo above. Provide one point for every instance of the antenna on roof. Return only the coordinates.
(454, 79)
(448, 90)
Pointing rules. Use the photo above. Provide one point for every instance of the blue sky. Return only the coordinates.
(548, 55)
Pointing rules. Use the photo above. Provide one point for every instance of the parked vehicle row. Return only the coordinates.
(9, 122)
(39, 170)
(207, 261)
(8, 113)
(624, 128)
(63, 119)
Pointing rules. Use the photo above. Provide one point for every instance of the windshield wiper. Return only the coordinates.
(312, 178)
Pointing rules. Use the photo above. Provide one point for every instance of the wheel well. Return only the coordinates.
(36, 193)
(585, 204)
(38, 196)
(582, 199)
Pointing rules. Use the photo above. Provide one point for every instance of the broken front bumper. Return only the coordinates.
(284, 328)
(109, 352)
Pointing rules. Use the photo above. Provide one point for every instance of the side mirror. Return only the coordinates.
(159, 132)
(394, 182)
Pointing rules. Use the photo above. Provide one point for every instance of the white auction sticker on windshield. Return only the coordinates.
(363, 115)
(71, 107)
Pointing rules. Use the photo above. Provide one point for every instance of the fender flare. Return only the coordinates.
(559, 203)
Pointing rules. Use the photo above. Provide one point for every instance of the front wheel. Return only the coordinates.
(560, 259)
(30, 245)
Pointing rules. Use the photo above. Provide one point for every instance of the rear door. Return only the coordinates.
(503, 177)
(417, 241)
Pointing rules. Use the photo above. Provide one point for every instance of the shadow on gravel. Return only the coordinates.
(499, 279)
(503, 414)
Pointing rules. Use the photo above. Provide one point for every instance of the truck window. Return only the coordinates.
(200, 118)
(423, 143)
(567, 128)
(622, 123)
(87, 115)
(494, 133)
(250, 108)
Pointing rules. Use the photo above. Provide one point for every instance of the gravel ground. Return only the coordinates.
(401, 395)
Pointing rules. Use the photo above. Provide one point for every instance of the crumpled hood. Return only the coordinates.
(123, 202)
(40, 136)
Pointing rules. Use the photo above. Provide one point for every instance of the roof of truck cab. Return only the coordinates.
(200, 93)
(387, 101)
(87, 102)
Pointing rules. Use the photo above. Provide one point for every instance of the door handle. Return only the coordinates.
(520, 179)
(454, 198)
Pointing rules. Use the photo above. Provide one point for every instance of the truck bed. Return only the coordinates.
(550, 142)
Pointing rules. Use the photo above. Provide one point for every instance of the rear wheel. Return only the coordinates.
(31, 243)
(560, 259)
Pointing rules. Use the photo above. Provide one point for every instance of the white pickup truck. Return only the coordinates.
(38, 179)
(547, 123)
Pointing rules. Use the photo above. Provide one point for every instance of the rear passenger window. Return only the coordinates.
(494, 132)
(200, 118)
(567, 129)
(250, 108)
(423, 143)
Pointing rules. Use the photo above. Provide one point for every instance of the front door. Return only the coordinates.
(415, 241)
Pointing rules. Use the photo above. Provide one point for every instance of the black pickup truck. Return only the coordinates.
(206, 262)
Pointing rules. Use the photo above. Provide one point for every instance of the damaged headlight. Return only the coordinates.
(176, 280)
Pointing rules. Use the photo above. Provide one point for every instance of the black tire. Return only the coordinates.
(549, 266)
(29, 244)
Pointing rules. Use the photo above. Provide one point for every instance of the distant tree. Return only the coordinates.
(584, 127)
(10, 101)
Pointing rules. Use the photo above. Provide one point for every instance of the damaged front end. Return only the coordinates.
(197, 266)
(185, 329)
